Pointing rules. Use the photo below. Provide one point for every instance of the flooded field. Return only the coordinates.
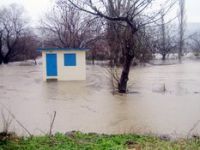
(89, 106)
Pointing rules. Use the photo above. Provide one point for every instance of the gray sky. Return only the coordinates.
(193, 10)
(36, 8)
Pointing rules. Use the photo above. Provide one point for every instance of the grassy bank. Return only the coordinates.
(80, 141)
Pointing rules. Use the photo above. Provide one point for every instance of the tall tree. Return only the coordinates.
(1, 38)
(13, 27)
(165, 42)
(13, 34)
(114, 33)
(181, 27)
(163, 31)
(133, 15)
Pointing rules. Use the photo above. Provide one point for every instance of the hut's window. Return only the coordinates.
(69, 59)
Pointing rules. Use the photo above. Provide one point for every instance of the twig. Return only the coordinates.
(13, 116)
(194, 126)
(52, 122)
(43, 132)
(6, 122)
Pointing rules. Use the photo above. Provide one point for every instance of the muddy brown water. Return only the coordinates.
(89, 106)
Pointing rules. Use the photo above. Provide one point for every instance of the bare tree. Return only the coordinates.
(99, 50)
(31, 42)
(165, 42)
(133, 16)
(114, 35)
(181, 27)
(13, 25)
(66, 27)
(1, 46)
(1, 38)
(17, 40)
(195, 43)
(26, 47)
(144, 45)
(164, 49)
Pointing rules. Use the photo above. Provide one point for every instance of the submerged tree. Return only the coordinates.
(131, 16)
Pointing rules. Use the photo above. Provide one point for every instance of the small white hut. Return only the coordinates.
(64, 63)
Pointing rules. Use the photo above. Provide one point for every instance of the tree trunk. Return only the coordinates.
(35, 61)
(93, 60)
(6, 59)
(1, 45)
(180, 53)
(122, 86)
(1, 58)
(181, 27)
(163, 57)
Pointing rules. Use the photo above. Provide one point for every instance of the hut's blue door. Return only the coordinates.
(51, 64)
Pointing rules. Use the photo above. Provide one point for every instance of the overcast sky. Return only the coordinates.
(36, 8)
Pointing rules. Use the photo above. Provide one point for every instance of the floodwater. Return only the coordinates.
(162, 99)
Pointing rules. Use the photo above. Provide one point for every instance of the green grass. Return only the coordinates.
(80, 141)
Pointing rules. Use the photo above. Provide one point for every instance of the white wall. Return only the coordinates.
(67, 73)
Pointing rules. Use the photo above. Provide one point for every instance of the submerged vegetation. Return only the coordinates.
(92, 141)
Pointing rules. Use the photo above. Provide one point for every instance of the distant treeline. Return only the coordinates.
(67, 26)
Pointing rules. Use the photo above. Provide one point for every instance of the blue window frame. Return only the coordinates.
(69, 59)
